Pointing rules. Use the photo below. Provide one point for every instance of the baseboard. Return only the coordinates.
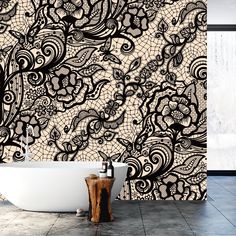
(221, 172)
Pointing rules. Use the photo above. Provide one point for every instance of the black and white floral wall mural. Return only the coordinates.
(122, 77)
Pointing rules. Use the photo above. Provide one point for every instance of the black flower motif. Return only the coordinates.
(27, 102)
(172, 188)
(153, 65)
(112, 107)
(145, 73)
(51, 110)
(31, 94)
(78, 140)
(148, 3)
(136, 21)
(64, 85)
(154, 3)
(159, 3)
(41, 91)
(21, 125)
(73, 11)
(186, 32)
(177, 112)
(41, 110)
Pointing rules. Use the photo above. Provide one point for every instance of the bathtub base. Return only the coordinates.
(53, 186)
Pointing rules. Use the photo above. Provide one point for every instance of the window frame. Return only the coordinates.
(217, 27)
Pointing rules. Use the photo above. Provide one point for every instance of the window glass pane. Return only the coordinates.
(221, 100)
(221, 12)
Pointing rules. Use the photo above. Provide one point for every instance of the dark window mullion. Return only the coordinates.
(221, 27)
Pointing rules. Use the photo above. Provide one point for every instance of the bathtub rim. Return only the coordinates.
(60, 165)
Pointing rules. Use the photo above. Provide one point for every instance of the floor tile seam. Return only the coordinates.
(185, 219)
(224, 188)
(10, 221)
(229, 191)
(141, 215)
(216, 234)
(53, 224)
(208, 200)
(98, 225)
(223, 215)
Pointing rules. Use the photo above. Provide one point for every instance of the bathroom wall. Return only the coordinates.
(109, 78)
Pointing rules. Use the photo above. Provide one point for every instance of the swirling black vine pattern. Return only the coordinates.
(118, 79)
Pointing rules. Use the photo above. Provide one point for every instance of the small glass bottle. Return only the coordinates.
(110, 170)
(104, 165)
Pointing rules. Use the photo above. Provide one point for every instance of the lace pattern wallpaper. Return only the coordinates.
(123, 79)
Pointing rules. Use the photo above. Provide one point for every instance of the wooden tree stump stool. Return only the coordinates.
(99, 191)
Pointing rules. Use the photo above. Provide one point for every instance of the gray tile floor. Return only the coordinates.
(217, 216)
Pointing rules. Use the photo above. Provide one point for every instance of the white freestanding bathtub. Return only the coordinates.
(53, 186)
